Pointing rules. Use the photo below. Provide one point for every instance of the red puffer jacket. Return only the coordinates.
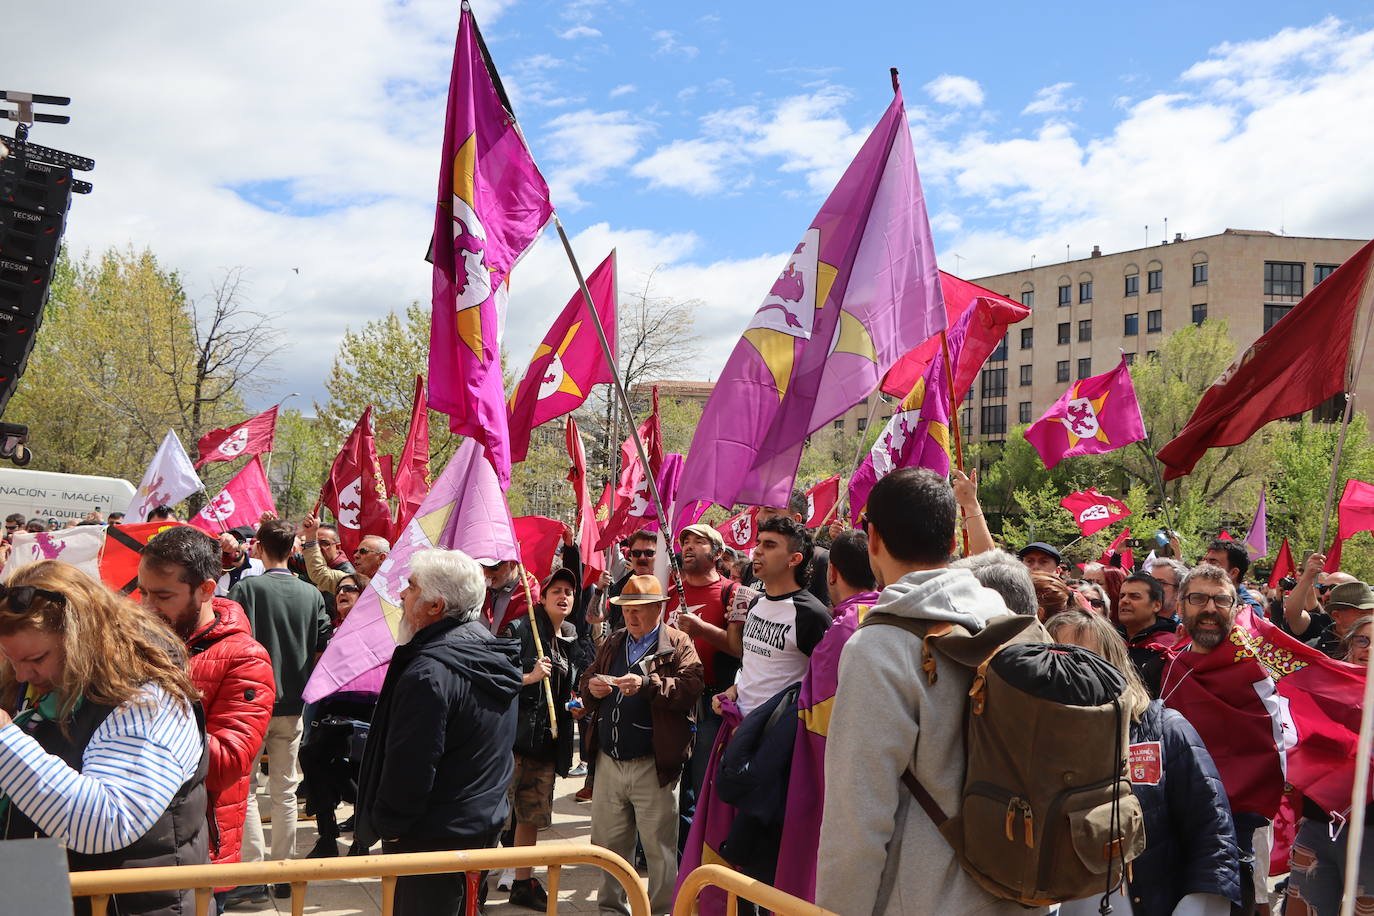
(233, 673)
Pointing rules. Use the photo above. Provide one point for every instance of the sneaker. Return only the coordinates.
(584, 794)
(505, 878)
(281, 891)
(247, 893)
(325, 847)
(579, 770)
(529, 893)
(347, 826)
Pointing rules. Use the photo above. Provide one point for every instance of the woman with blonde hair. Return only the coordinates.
(104, 750)
(1190, 864)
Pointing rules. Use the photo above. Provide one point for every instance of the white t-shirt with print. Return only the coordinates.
(779, 636)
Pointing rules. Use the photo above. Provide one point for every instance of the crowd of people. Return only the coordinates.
(753, 713)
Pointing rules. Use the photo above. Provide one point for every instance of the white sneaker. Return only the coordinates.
(504, 879)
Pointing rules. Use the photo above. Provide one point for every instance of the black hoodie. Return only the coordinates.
(438, 758)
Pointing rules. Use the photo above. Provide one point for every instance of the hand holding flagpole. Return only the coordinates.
(538, 649)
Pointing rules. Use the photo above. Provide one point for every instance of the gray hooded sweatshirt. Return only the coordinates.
(879, 851)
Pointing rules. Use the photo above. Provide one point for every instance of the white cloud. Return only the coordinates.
(693, 166)
(622, 89)
(1051, 99)
(667, 43)
(586, 146)
(959, 91)
(580, 31)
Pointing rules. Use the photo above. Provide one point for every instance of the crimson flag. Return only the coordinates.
(1356, 508)
(1120, 539)
(588, 531)
(741, 532)
(568, 362)
(1092, 511)
(251, 437)
(1283, 565)
(1301, 361)
(1333, 556)
(633, 501)
(538, 538)
(355, 491)
(412, 476)
(242, 501)
(821, 501)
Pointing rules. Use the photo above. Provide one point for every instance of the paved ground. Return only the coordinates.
(577, 891)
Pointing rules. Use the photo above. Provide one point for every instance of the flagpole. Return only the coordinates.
(539, 650)
(1355, 825)
(1149, 449)
(858, 453)
(954, 422)
(665, 523)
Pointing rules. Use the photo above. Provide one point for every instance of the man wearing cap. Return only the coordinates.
(1325, 629)
(509, 584)
(1041, 557)
(640, 694)
(540, 754)
(640, 550)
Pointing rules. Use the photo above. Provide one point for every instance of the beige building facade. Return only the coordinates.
(1086, 312)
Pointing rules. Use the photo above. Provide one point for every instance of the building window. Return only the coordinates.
(1085, 329)
(1065, 295)
(1028, 298)
(1133, 285)
(1027, 338)
(1130, 358)
(994, 420)
(1321, 271)
(1023, 414)
(994, 383)
(1063, 332)
(966, 421)
(1085, 367)
(1282, 278)
(1200, 313)
(1200, 274)
(1001, 351)
(968, 395)
(863, 423)
(1061, 371)
(838, 424)
(1272, 314)
(1154, 321)
(1155, 281)
(1150, 354)
(1025, 376)
(1333, 408)
(1085, 291)
(1132, 324)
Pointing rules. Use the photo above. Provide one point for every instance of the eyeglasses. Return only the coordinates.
(325, 543)
(1097, 603)
(1359, 642)
(21, 597)
(347, 588)
(643, 553)
(1198, 599)
(1323, 589)
(365, 551)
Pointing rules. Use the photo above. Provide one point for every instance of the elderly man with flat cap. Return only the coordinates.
(640, 695)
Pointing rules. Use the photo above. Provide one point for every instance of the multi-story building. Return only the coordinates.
(1086, 312)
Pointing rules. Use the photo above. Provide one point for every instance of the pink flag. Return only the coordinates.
(588, 527)
(1356, 508)
(860, 290)
(251, 437)
(1257, 538)
(492, 205)
(1096, 415)
(242, 501)
(465, 510)
(567, 364)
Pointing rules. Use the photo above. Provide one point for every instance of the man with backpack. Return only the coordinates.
(884, 703)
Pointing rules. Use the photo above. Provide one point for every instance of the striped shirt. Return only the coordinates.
(133, 766)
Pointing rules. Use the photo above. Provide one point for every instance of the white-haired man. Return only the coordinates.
(438, 758)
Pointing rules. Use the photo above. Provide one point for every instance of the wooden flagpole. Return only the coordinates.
(539, 651)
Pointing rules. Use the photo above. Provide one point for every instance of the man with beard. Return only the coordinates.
(232, 671)
(510, 589)
(235, 563)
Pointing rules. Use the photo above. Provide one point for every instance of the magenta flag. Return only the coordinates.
(1257, 539)
(568, 363)
(1096, 415)
(242, 501)
(464, 510)
(492, 205)
(860, 290)
(1356, 508)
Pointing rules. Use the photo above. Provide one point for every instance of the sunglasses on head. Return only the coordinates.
(647, 552)
(21, 597)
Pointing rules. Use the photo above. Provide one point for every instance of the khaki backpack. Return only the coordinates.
(1046, 813)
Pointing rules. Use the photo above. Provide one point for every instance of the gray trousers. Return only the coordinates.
(628, 799)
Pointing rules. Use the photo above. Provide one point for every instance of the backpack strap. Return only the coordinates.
(927, 630)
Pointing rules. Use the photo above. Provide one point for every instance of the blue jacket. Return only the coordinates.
(1190, 839)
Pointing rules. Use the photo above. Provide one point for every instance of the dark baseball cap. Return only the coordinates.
(561, 573)
(1043, 548)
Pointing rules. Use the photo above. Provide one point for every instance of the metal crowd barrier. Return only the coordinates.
(101, 885)
(737, 885)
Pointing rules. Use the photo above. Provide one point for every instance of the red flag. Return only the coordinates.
(1096, 415)
(742, 531)
(1356, 508)
(1225, 536)
(1093, 511)
(588, 531)
(821, 501)
(1115, 546)
(119, 556)
(388, 463)
(251, 437)
(1283, 565)
(1333, 556)
(568, 363)
(538, 538)
(1301, 361)
(984, 334)
(633, 502)
(355, 491)
(412, 480)
(242, 501)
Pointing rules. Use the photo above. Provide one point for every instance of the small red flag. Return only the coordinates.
(1333, 556)
(821, 501)
(251, 437)
(588, 531)
(538, 538)
(1093, 511)
(1356, 508)
(742, 531)
(242, 501)
(355, 491)
(1225, 536)
(412, 475)
(633, 503)
(1115, 546)
(1283, 565)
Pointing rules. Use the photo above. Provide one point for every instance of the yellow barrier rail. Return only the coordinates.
(203, 879)
(737, 885)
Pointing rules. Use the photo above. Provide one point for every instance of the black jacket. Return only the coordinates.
(532, 721)
(438, 758)
(1190, 839)
(1145, 652)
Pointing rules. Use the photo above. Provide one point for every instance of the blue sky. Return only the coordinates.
(300, 141)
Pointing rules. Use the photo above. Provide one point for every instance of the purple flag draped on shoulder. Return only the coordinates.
(492, 205)
(464, 510)
(860, 290)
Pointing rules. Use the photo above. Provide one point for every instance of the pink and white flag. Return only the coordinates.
(242, 501)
